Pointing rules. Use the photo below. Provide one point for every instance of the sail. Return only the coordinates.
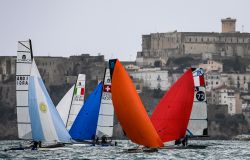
(129, 108)
(77, 101)
(85, 124)
(63, 107)
(171, 115)
(46, 123)
(106, 114)
(197, 125)
(23, 65)
(73, 100)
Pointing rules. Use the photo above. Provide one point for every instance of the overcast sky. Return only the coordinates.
(110, 27)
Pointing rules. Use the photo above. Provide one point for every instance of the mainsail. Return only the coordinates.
(129, 108)
(197, 125)
(106, 114)
(71, 103)
(46, 123)
(23, 65)
(85, 124)
(171, 115)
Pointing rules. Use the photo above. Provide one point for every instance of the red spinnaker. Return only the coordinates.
(171, 116)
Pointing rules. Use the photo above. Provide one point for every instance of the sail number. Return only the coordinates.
(22, 80)
(200, 96)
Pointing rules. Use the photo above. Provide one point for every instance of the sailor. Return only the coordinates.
(104, 139)
(34, 147)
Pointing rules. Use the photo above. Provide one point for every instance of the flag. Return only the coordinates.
(107, 88)
(78, 91)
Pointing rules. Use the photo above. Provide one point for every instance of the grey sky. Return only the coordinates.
(109, 27)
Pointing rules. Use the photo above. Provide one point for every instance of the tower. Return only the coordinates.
(228, 25)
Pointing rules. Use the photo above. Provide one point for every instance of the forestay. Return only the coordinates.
(106, 113)
(46, 123)
(23, 65)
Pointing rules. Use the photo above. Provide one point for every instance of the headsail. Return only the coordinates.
(46, 123)
(23, 66)
(171, 115)
(85, 124)
(197, 125)
(129, 108)
(71, 103)
(106, 114)
(78, 100)
(63, 107)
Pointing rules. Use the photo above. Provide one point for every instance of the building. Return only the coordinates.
(211, 65)
(153, 78)
(158, 47)
(57, 70)
(223, 95)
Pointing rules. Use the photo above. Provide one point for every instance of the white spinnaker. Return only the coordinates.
(106, 114)
(63, 107)
(23, 66)
(77, 101)
(198, 120)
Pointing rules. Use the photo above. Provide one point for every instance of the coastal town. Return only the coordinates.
(163, 58)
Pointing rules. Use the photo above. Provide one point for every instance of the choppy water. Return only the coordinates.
(214, 150)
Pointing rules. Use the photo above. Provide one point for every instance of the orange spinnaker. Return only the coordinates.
(130, 110)
(171, 115)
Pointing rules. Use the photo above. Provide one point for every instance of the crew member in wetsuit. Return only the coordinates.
(34, 147)
(104, 140)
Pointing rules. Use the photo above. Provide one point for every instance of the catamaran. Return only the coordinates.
(70, 105)
(37, 117)
(182, 111)
(94, 122)
(129, 109)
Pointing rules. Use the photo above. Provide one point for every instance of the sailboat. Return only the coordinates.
(71, 103)
(46, 123)
(23, 66)
(37, 117)
(129, 109)
(85, 124)
(172, 114)
(105, 122)
(198, 123)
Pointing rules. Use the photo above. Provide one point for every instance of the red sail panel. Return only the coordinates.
(171, 115)
(130, 110)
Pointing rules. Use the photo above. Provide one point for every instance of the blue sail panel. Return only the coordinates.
(85, 124)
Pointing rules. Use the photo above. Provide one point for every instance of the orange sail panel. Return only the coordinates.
(171, 115)
(130, 110)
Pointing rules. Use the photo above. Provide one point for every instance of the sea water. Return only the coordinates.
(215, 150)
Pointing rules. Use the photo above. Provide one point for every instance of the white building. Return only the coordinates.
(153, 78)
(226, 96)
